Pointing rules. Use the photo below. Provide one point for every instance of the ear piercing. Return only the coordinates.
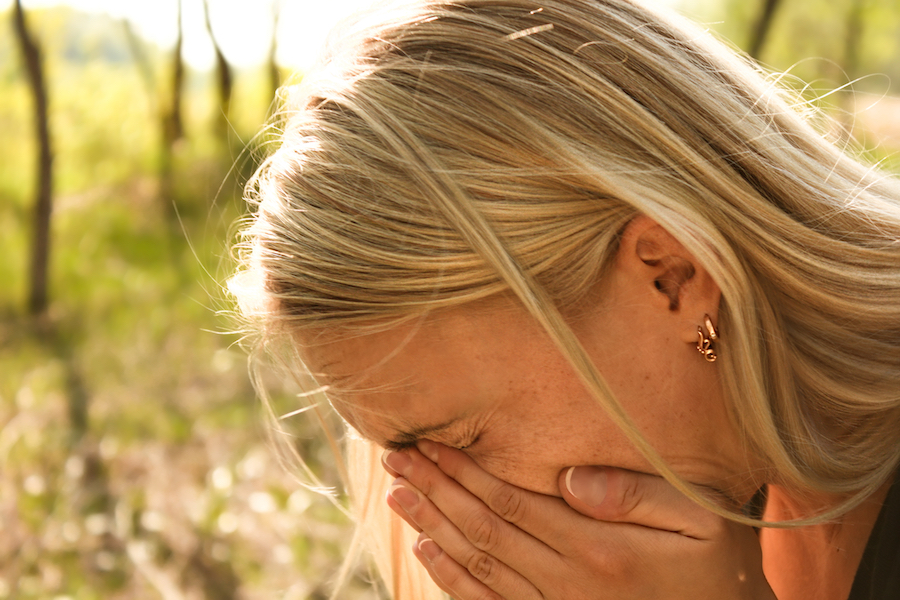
(706, 339)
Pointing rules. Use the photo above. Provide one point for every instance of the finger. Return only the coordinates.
(426, 562)
(481, 566)
(482, 506)
(406, 496)
(622, 496)
(397, 458)
(450, 576)
(544, 517)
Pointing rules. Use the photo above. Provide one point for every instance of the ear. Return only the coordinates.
(671, 276)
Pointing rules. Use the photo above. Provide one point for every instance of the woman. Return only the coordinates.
(512, 238)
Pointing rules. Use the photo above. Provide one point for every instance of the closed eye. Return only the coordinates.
(397, 445)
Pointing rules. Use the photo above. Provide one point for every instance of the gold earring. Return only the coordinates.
(705, 343)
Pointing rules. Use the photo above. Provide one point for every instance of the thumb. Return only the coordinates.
(584, 489)
(619, 495)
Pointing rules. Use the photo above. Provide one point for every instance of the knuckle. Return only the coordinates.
(457, 582)
(484, 567)
(630, 496)
(451, 580)
(452, 465)
(614, 563)
(507, 503)
(425, 483)
(482, 530)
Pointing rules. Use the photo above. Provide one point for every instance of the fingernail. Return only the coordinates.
(404, 496)
(588, 484)
(430, 549)
(429, 449)
(398, 461)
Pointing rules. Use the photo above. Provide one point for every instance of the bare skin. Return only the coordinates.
(517, 405)
(487, 379)
(704, 556)
(818, 561)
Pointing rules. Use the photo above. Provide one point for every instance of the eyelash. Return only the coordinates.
(397, 446)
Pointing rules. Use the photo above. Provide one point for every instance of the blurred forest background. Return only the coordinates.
(134, 458)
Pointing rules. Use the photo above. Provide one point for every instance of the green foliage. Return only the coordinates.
(133, 454)
(838, 55)
(812, 39)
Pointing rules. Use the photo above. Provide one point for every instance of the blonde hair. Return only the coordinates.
(459, 149)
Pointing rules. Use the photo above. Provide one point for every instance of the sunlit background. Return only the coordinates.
(244, 26)
(135, 461)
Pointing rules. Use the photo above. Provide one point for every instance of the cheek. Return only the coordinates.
(522, 470)
(517, 446)
(547, 432)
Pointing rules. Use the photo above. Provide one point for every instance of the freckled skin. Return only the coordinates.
(524, 415)
(516, 392)
(494, 368)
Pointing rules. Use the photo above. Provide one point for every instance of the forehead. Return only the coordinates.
(400, 379)
(337, 356)
(422, 373)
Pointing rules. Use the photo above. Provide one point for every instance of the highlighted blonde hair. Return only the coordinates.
(459, 149)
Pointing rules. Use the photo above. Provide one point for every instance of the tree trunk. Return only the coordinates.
(43, 206)
(172, 126)
(853, 38)
(224, 76)
(143, 64)
(762, 27)
(175, 129)
(274, 74)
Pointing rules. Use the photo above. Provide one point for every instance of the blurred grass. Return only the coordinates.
(169, 488)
